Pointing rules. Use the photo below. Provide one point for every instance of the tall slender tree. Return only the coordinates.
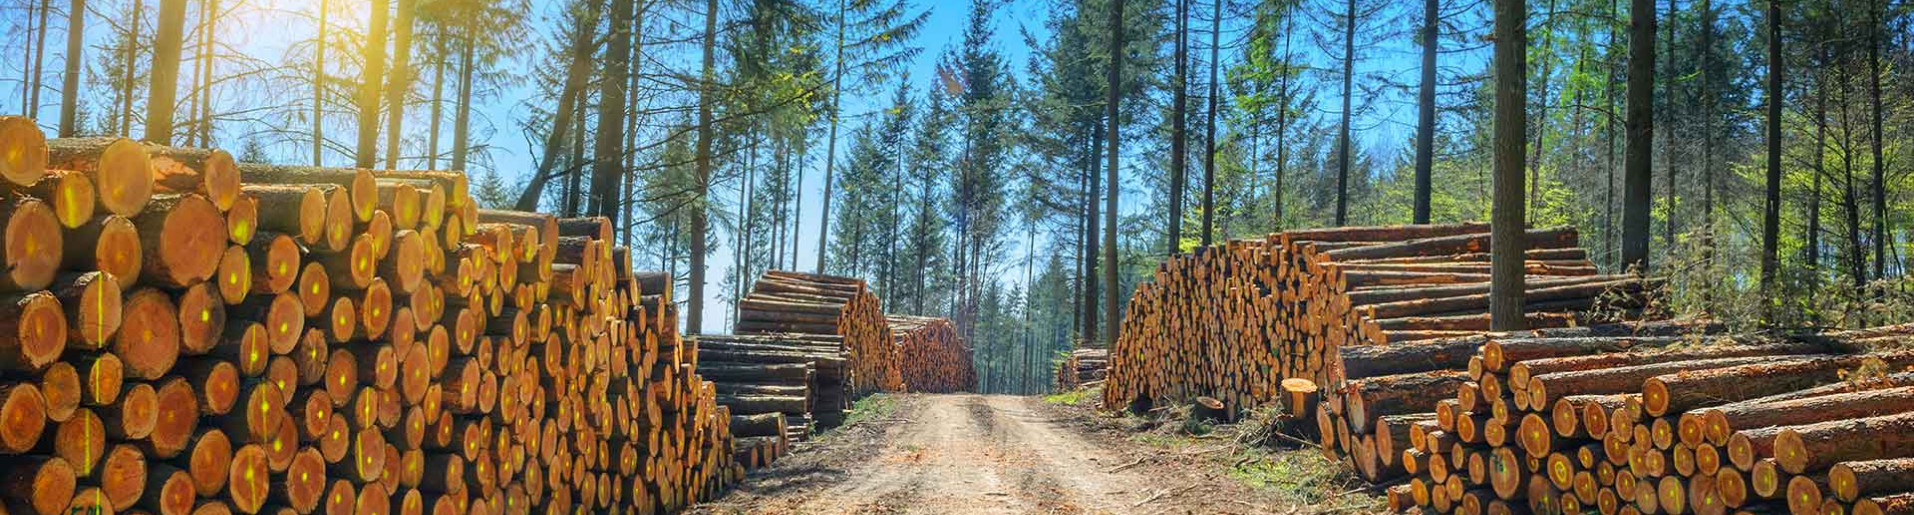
(1342, 129)
(1507, 221)
(1878, 115)
(1637, 178)
(1209, 128)
(872, 39)
(318, 88)
(373, 72)
(1179, 125)
(70, 79)
(1771, 215)
(1426, 112)
(694, 304)
(608, 160)
(167, 41)
(400, 81)
(577, 74)
(1113, 98)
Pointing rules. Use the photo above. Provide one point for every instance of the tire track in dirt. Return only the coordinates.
(969, 454)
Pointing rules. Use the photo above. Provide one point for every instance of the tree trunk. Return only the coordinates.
(607, 152)
(1541, 112)
(1874, 102)
(167, 38)
(318, 88)
(1426, 115)
(399, 83)
(1093, 199)
(1113, 98)
(1179, 127)
(1771, 216)
(694, 305)
(39, 61)
(1342, 129)
(830, 143)
(135, 16)
(1813, 238)
(70, 81)
(462, 120)
(207, 32)
(1209, 130)
(1282, 118)
(438, 107)
(1637, 176)
(373, 72)
(1508, 242)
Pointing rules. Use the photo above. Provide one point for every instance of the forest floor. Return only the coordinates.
(999, 454)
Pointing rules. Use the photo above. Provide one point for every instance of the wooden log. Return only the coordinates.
(149, 342)
(32, 332)
(69, 194)
(33, 244)
(1662, 395)
(23, 150)
(186, 234)
(108, 243)
(1850, 481)
(37, 485)
(1799, 449)
(119, 168)
(360, 184)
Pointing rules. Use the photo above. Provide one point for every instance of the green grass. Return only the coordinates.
(1075, 397)
(876, 406)
(1300, 477)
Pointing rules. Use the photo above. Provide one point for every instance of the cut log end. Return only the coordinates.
(23, 150)
(34, 243)
(39, 332)
(124, 176)
(242, 220)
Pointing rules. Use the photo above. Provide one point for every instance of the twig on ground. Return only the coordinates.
(1162, 494)
(1125, 466)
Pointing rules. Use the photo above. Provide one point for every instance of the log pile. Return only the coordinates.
(1082, 368)
(1808, 424)
(931, 356)
(801, 303)
(1273, 321)
(190, 334)
(802, 377)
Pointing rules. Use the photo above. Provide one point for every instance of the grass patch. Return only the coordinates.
(876, 406)
(1302, 477)
(1075, 397)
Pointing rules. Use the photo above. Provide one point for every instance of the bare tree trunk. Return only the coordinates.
(1426, 115)
(462, 120)
(1874, 102)
(1282, 117)
(630, 173)
(1179, 126)
(318, 88)
(1093, 199)
(830, 150)
(1771, 216)
(694, 307)
(1813, 237)
(374, 74)
(167, 40)
(1511, 100)
(577, 74)
(1112, 100)
(607, 153)
(208, 54)
(135, 18)
(400, 82)
(39, 60)
(1541, 114)
(1209, 129)
(70, 80)
(1638, 179)
(1342, 129)
(438, 107)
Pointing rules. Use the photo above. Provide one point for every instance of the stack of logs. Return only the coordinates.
(931, 356)
(803, 377)
(189, 334)
(1286, 308)
(1082, 368)
(1709, 424)
(801, 303)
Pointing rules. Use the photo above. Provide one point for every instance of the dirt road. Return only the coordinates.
(972, 454)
